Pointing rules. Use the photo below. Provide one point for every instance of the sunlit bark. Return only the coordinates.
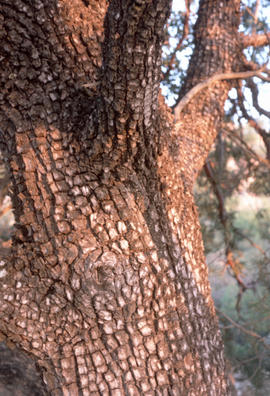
(255, 40)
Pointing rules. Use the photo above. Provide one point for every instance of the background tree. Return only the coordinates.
(106, 284)
(232, 191)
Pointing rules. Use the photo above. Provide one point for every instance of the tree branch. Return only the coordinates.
(243, 329)
(218, 192)
(213, 79)
(255, 94)
(184, 35)
(255, 40)
(264, 135)
(253, 244)
(248, 150)
(131, 61)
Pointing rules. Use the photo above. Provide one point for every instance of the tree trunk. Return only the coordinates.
(106, 285)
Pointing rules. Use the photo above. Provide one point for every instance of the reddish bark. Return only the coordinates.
(106, 285)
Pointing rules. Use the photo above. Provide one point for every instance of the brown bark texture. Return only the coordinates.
(106, 286)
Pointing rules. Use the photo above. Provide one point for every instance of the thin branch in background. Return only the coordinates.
(213, 79)
(256, 40)
(218, 192)
(244, 330)
(253, 244)
(264, 78)
(230, 260)
(184, 35)
(264, 135)
(245, 147)
(259, 366)
(246, 361)
(254, 15)
(232, 263)
(241, 99)
(255, 94)
(217, 257)
(257, 357)
(258, 2)
(233, 111)
(251, 65)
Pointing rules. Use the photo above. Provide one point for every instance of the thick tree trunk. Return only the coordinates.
(106, 285)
